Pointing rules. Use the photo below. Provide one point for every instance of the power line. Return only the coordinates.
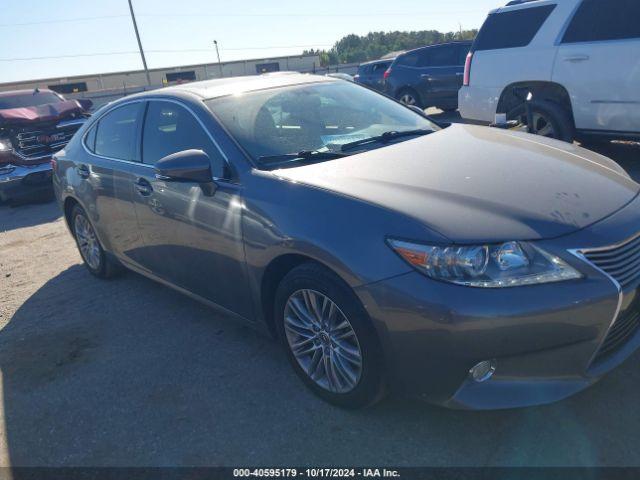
(311, 15)
(272, 15)
(104, 54)
(64, 20)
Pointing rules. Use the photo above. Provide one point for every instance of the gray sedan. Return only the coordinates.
(476, 267)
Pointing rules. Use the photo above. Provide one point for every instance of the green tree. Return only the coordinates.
(360, 48)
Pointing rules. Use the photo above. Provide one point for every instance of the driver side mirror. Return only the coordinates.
(187, 166)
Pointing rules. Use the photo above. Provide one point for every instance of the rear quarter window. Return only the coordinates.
(511, 29)
(601, 20)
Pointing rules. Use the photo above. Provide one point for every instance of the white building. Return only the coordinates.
(103, 88)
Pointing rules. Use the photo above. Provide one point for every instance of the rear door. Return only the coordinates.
(192, 240)
(440, 75)
(599, 63)
(108, 179)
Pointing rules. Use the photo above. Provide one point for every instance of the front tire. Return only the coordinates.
(93, 255)
(328, 337)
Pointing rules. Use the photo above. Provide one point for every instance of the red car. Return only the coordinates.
(34, 124)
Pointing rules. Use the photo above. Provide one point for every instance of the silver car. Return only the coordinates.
(476, 267)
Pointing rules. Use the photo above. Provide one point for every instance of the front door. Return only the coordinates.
(192, 240)
(598, 63)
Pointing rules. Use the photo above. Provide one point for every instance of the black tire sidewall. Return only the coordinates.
(315, 277)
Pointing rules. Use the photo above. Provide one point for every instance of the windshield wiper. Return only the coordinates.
(306, 156)
(385, 137)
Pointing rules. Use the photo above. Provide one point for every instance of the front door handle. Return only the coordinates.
(576, 58)
(143, 187)
(83, 171)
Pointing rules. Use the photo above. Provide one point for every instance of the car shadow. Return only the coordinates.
(28, 215)
(130, 373)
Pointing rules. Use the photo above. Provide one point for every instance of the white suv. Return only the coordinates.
(580, 59)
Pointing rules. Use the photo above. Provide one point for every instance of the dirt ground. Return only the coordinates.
(129, 373)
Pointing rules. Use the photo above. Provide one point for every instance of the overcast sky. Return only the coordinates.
(96, 36)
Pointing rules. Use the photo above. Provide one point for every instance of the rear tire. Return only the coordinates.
(550, 120)
(94, 257)
(328, 337)
(410, 98)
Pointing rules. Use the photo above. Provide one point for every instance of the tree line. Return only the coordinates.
(361, 48)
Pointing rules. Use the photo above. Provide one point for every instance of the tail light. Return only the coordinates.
(386, 73)
(467, 70)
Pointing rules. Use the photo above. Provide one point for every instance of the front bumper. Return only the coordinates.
(20, 181)
(544, 338)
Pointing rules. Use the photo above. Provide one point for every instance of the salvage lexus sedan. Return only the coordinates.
(476, 267)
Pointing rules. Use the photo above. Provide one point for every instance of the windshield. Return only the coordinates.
(312, 117)
(31, 99)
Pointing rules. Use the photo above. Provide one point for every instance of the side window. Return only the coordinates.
(116, 132)
(170, 128)
(380, 67)
(409, 59)
(90, 138)
(515, 28)
(440, 57)
(600, 20)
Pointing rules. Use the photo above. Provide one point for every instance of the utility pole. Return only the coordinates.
(144, 60)
(215, 42)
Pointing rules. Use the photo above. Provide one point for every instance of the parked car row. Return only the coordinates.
(576, 60)
(34, 124)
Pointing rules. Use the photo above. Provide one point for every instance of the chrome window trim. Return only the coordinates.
(94, 124)
(157, 99)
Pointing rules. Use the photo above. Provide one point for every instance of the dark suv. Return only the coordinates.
(428, 76)
(371, 74)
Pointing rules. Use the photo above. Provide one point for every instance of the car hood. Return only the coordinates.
(480, 184)
(40, 113)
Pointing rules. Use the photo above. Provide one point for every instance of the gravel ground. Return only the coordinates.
(129, 373)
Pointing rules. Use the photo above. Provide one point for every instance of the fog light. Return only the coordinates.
(483, 371)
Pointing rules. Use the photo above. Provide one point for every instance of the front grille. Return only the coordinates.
(36, 143)
(624, 327)
(621, 262)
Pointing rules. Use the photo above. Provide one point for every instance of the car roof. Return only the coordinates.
(26, 91)
(381, 60)
(460, 42)
(524, 4)
(232, 85)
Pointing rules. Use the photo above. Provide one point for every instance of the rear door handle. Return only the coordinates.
(83, 171)
(143, 187)
(576, 58)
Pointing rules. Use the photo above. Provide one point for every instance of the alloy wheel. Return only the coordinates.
(408, 99)
(542, 126)
(323, 341)
(87, 242)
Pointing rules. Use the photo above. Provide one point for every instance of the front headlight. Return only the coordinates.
(510, 264)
